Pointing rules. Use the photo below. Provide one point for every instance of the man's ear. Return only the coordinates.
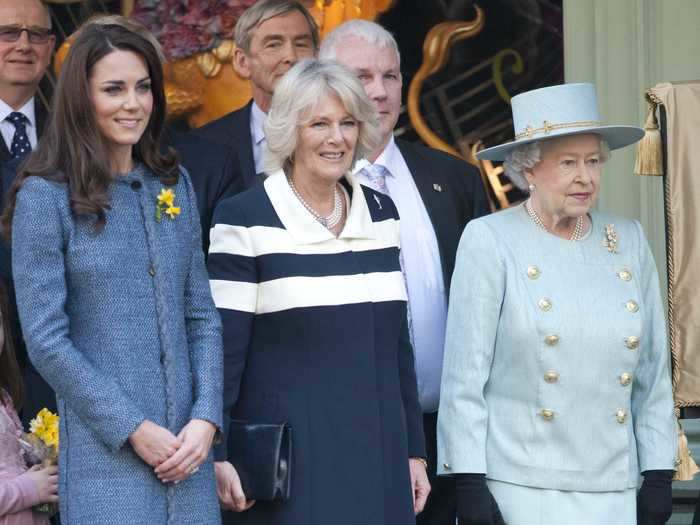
(241, 64)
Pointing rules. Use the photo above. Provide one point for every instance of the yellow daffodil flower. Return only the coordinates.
(166, 198)
(172, 211)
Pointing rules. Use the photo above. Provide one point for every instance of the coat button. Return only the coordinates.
(544, 304)
(447, 466)
(551, 376)
(552, 340)
(625, 379)
(632, 306)
(533, 272)
(620, 416)
(151, 271)
(547, 414)
(632, 342)
(136, 185)
(625, 275)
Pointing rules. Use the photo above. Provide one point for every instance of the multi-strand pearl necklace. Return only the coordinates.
(330, 221)
(576, 235)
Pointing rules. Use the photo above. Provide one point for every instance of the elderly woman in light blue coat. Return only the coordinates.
(556, 391)
(113, 294)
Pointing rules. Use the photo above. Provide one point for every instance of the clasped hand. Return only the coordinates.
(174, 458)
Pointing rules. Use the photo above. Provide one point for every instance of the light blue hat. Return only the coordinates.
(557, 111)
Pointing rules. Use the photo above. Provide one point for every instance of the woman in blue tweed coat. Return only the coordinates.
(305, 272)
(113, 293)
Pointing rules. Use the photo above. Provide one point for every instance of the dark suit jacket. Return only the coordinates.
(214, 171)
(452, 192)
(233, 131)
(37, 393)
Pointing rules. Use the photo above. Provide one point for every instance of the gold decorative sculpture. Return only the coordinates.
(436, 49)
(204, 86)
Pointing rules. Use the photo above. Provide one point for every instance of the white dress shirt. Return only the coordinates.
(423, 270)
(8, 129)
(257, 133)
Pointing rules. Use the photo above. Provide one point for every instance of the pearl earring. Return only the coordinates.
(531, 187)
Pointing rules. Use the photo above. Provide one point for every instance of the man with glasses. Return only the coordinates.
(26, 46)
(271, 36)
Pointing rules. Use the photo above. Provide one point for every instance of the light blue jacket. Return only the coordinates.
(544, 383)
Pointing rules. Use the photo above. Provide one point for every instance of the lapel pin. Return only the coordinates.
(379, 203)
(437, 187)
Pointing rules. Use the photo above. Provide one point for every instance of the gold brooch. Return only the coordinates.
(610, 241)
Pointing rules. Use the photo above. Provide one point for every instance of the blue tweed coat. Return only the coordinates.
(122, 325)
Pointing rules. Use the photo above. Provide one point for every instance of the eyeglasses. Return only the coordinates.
(35, 35)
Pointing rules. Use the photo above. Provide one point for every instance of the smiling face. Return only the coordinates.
(379, 71)
(121, 96)
(326, 142)
(567, 178)
(23, 64)
(276, 45)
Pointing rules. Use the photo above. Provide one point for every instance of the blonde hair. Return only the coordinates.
(297, 93)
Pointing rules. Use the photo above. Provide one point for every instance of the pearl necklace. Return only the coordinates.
(330, 221)
(576, 235)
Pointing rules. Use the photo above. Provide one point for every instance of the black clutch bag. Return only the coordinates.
(262, 456)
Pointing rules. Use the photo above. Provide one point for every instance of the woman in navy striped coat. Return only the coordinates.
(305, 273)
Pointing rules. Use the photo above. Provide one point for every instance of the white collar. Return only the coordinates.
(258, 117)
(387, 158)
(303, 227)
(27, 109)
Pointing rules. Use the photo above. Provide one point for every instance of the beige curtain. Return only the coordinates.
(681, 102)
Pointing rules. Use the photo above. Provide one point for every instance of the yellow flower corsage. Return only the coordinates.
(166, 204)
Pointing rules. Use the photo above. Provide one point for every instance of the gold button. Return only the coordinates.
(632, 306)
(620, 415)
(551, 377)
(533, 272)
(552, 340)
(547, 414)
(446, 466)
(625, 379)
(632, 342)
(625, 275)
(544, 304)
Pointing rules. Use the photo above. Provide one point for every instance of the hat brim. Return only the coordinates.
(615, 136)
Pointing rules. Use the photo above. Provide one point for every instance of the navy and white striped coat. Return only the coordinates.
(315, 334)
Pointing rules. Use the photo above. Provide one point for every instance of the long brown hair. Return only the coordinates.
(10, 377)
(72, 149)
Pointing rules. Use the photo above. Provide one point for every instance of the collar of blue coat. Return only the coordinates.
(303, 227)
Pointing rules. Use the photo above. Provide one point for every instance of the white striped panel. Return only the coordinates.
(234, 295)
(236, 240)
(303, 292)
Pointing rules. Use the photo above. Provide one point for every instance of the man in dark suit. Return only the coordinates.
(213, 171)
(271, 36)
(436, 195)
(26, 45)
